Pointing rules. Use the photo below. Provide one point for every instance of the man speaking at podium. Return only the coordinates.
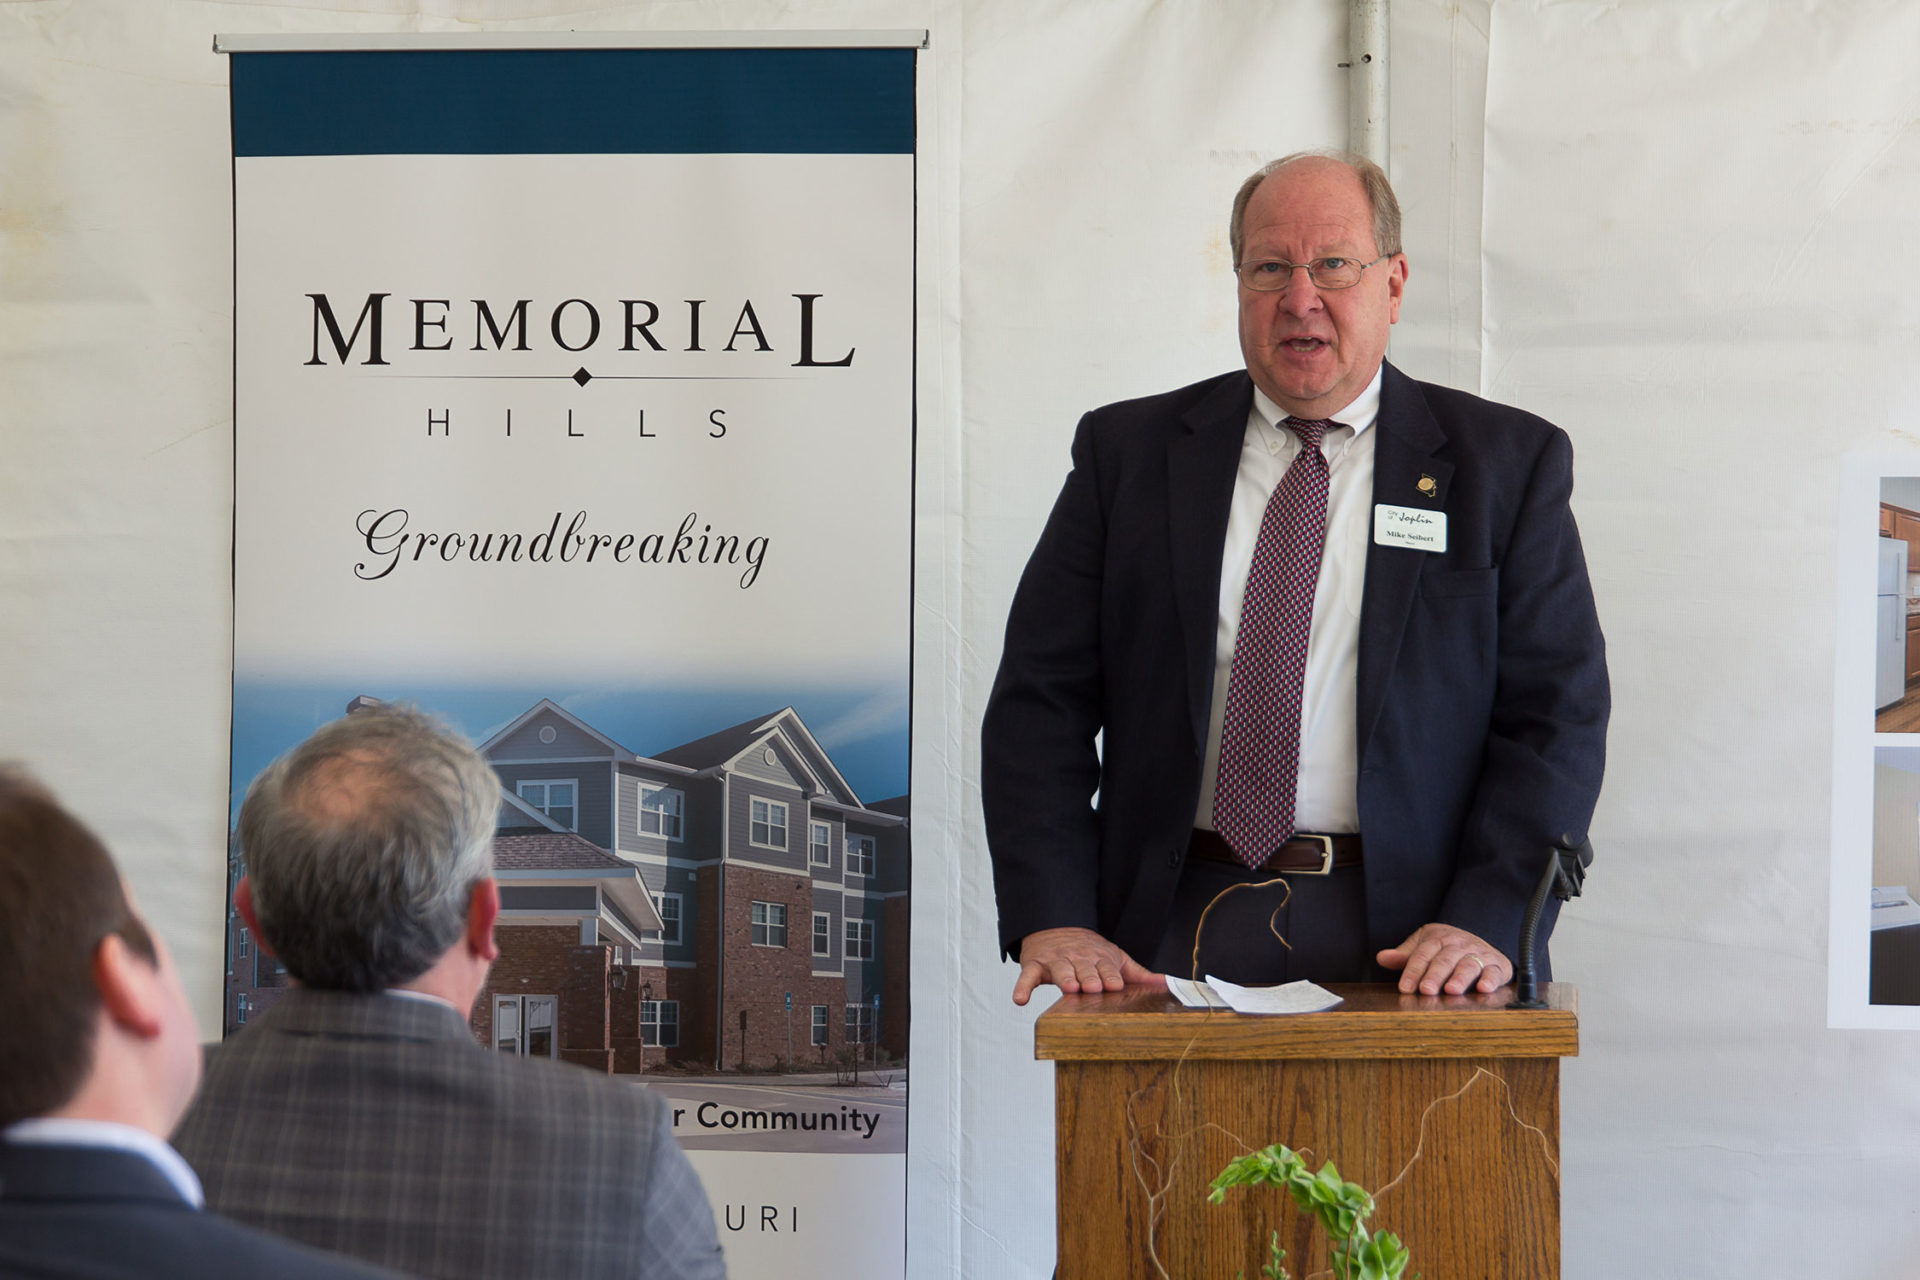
(1313, 623)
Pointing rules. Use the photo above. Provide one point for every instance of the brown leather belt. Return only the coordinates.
(1304, 854)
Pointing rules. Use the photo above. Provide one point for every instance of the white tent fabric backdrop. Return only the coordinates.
(1698, 258)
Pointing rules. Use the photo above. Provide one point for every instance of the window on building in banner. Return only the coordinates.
(822, 933)
(819, 1024)
(860, 1023)
(662, 812)
(769, 924)
(660, 1023)
(243, 945)
(668, 905)
(240, 1010)
(859, 939)
(859, 855)
(821, 842)
(558, 800)
(769, 827)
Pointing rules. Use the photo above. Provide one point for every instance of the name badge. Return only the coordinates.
(1409, 527)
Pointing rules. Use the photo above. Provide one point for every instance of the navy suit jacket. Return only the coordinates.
(92, 1213)
(1482, 694)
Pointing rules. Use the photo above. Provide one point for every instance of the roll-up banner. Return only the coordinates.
(574, 403)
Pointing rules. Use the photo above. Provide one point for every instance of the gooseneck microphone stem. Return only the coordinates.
(1566, 870)
(1527, 995)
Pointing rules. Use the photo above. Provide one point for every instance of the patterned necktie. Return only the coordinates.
(1253, 795)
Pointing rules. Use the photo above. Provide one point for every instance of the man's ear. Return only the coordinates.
(129, 987)
(243, 903)
(483, 908)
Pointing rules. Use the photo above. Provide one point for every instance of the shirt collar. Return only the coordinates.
(62, 1131)
(424, 997)
(1361, 413)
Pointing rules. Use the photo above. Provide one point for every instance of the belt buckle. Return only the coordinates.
(1326, 853)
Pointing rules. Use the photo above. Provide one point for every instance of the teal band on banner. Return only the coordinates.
(574, 101)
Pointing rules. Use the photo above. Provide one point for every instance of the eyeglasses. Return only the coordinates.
(1273, 276)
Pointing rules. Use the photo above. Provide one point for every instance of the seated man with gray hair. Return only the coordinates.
(359, 1113)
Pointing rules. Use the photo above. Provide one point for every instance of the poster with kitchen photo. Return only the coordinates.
(1873, 938)
(1896, 648)
(1893, 973)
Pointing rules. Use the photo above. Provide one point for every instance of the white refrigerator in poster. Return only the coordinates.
(1890, 645)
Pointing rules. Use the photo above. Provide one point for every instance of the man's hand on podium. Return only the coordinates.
(1439, 955)
(1077, 960)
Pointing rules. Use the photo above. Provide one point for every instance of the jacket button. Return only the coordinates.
(1173, 859)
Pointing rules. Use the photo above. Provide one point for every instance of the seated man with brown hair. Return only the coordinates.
(98, 1062)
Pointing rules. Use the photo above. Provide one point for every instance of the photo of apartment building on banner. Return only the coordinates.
(727, 905)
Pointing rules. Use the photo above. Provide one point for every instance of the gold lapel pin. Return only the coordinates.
(1427, 485)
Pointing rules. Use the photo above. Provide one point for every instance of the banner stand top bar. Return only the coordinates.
(411, 41)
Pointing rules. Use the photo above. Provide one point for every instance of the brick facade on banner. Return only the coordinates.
(697, 1029)
(645, 982)
(584, 1038)
(895, 1003)
(756, 1033)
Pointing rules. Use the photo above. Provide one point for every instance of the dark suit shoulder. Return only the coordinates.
(1472, 419)
(1132, 435)
(1172, 404)
(104, 1238)
(216, 1247)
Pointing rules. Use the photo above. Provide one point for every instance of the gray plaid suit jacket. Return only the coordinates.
(375, 1126)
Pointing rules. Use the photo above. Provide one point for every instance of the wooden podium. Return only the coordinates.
(1447, 1108)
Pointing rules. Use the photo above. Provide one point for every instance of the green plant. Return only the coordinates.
(1275, 1266)
(1342, 1208)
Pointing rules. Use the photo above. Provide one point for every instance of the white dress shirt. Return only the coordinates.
(1325, 799)
(54, 1131)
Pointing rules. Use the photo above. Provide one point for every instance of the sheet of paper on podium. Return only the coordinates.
(1217, 993)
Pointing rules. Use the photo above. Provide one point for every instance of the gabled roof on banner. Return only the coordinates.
(900, 805)
(720, 746)
(548, 704)
(552, 851)
(724, 748)
(531, 858)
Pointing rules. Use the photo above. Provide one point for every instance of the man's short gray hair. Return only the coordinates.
(363, 845)
(1373, 179)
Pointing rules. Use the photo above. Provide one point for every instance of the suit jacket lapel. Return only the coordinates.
(1402, 459)
(1202, 459)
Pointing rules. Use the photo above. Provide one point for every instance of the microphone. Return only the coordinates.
(1566, 872)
